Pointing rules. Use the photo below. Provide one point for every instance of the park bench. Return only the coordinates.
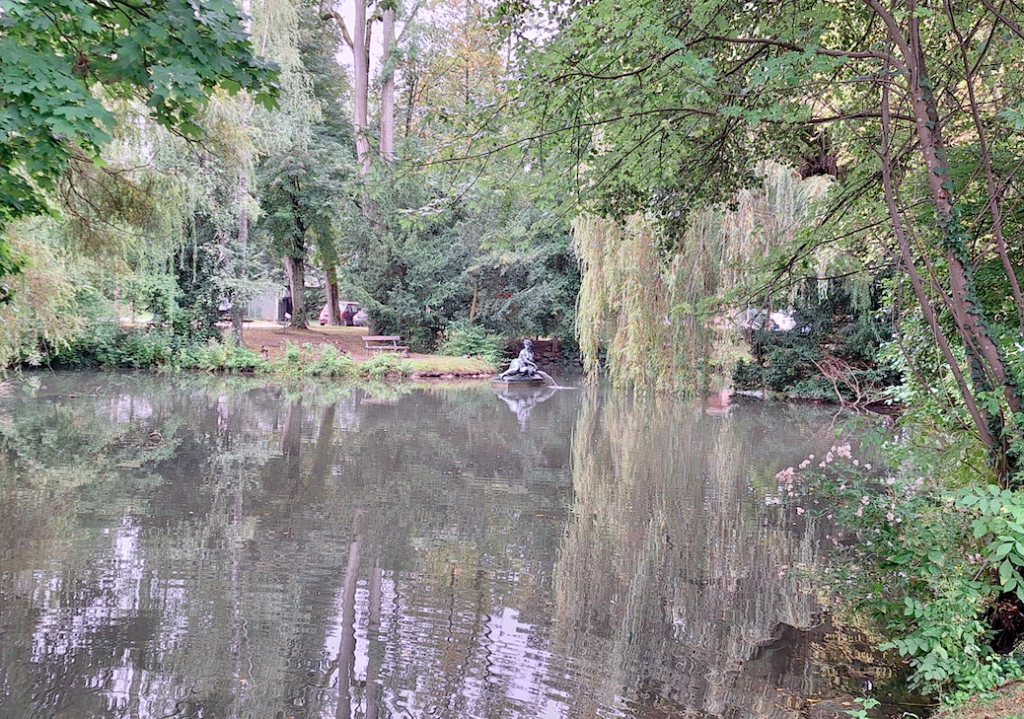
(384, 343)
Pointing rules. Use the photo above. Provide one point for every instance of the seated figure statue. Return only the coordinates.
(522, 366)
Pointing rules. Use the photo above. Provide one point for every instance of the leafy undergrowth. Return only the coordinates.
(924, 561)
(325, 360)
(463, 339)
(1005, 703)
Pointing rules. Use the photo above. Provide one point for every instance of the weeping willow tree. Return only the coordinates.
(659, 305)
(38, 311)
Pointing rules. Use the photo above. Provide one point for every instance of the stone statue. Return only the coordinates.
(523, 366)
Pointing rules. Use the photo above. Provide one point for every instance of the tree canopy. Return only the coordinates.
(61, 59)
(665, 108)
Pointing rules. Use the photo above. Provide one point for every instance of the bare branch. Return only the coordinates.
(792, 47)
(344, 28)
(1008, 21)
(894, 31)
(680, 111)
(990, 180)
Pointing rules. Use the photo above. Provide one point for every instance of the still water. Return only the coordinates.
(204, 547)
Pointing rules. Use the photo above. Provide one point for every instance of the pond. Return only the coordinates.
(195, 546)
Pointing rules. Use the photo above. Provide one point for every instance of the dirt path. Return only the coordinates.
(259, 335)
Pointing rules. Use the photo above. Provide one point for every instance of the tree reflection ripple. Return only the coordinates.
(204, 547)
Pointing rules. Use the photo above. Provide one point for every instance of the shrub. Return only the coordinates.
(313, 361)
(464, 338)
(385, 366)
(292, 356)
(328, 361)
(107, 345)
(215, 356)
(914, 567)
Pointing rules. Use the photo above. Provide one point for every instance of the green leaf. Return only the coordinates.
(1005, 572)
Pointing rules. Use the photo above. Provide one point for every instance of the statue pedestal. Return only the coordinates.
(513, 382)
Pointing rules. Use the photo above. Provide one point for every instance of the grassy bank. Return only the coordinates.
(1004, 703)
(273, 341)
(267, 349)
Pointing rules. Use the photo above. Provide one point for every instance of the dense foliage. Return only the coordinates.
(658, 116)
(661, 110)
(832, 352)
(170, 55)
(915, 556)
(181, 195)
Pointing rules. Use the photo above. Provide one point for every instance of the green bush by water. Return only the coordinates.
(923, 562)
(105, 344)
(312, 361)
(219, 356)
(325, 360)
(385, 365)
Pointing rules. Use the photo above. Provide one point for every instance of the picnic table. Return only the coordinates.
(384, 343)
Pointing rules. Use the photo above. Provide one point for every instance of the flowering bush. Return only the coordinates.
(904, 554)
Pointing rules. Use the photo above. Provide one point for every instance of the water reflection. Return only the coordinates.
(522, 400)
(195, 547)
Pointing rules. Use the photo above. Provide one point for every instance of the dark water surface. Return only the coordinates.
(198, 547)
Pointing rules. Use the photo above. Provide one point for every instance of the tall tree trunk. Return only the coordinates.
(331, 286)
(387, 90)
(238, 299)
(989, 370)
(361, 70)
(920, 291)
(295, 269)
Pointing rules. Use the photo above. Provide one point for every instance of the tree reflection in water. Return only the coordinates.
(298, 552)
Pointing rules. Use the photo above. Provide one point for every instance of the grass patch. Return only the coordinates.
(441, 364)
